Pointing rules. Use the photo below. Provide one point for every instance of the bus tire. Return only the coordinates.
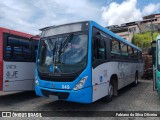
(110, 95)
(135, 83)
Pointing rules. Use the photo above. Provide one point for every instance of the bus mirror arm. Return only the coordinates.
(34, 37)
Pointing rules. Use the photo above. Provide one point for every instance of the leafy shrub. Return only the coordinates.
(143, 40)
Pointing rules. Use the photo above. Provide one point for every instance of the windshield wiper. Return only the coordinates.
(53, 52)
(60, 52)
(63, 46)
(67, 40)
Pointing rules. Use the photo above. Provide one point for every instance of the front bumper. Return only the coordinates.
(82, 96)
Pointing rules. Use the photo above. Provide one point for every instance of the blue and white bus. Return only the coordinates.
(83, 62)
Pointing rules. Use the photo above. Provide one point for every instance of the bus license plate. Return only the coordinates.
(53, 97)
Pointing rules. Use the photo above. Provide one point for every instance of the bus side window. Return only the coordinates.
(94, 49)
(18, 49)
(135, 55)
(124, 51)
(131, 53)
(115, 49)
(101, 49)
(99, 54)
(140, 59)
(36, 45)
(35, 49)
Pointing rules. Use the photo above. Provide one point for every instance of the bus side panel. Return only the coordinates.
(18, 76)
(101, 76)
(1, 59)
(99, 82)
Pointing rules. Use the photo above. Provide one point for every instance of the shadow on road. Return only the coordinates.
(127, 89)
(17, 97)
(71, 106)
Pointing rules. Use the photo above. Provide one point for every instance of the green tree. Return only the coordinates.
(143, 40)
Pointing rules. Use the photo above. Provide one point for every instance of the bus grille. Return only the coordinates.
(61, 95)
(58, 78)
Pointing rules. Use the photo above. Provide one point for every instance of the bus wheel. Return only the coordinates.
(109, 97)
(135, 83)
(110, 91)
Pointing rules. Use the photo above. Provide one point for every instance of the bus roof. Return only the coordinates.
(100, 27)
(54, 26)
(14, 32)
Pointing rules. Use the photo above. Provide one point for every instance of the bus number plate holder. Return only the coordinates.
(53, 97)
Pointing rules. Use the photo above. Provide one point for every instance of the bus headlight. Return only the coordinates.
(81, 83)
(36, 81)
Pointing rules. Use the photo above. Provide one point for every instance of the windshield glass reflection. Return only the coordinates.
(65, 54)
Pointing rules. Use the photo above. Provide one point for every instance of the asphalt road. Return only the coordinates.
(140, 98)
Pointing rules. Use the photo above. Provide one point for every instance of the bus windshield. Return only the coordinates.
(63, 54)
